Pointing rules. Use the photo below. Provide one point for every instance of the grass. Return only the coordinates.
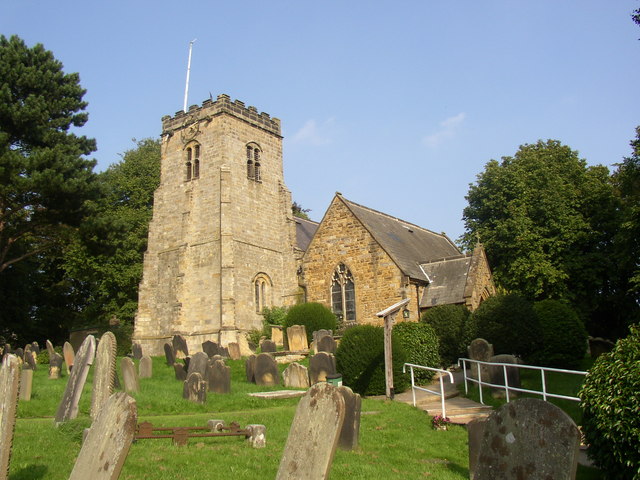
(396, 440)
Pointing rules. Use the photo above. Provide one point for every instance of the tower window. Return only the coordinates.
(192, 163)
(343, 294)
(188, 165)
(262, 291)
(253, 163)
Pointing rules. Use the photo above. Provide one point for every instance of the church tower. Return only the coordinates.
(222, 239)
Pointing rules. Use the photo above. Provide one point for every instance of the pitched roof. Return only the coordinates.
(407, 244)
(305, 229)
(448, 281)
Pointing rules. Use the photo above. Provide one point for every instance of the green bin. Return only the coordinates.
(335, 379)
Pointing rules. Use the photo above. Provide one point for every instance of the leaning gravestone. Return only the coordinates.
(145, 367)
(136, 349)
(250, 368)
(350, 433)
(107, 444)
(180, 371)
(198, 363)
(210, 348)
(496, 375)
(313, 436)
(528, 438)
(326, 344)
(295, 376)
(69, 356)
(268, 346)
(297, 338)
(50, 348)
(9, 388)
(479, 349)
(169, 355)
(129, 375)
(68, 408)
(104, 373)
(195, 388)
(266, 371)
(321, 365)
(234, 351)
(55, 366)
(219, 377)
(180, 346)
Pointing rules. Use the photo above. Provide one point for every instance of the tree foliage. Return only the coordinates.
(45, 177)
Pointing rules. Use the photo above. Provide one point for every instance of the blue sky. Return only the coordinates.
(396, 104)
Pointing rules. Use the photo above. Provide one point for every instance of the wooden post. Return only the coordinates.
(389, 316)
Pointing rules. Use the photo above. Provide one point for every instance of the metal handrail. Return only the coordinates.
(506, 386)
(414, 387)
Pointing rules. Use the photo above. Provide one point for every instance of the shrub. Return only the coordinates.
(611, 403)
(272, 316)
(564, 338)
(420, 343)
(509, 322)
(314, 316)
(453, 328)
(43, 356)
(360, 360)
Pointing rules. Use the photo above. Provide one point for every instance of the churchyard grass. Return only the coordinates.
(396, 440)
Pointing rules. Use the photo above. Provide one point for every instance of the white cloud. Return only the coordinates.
(446, 132)
(313, 134)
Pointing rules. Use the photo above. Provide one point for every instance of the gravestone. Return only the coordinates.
(198, 362)
(277, 336)
(528, 438)
(313, 436)
(496, 375)
(316, 336)
(180, 348)
(219, 377)
(107, 444)
(50, 348)
(326, 344)
(267, 346)
(55, 366)
(475, 431)
(35, 348)
(250, 368)
(266, 371)
(186, 361)
(257, 435)
(104, 373)
(30, 359)
(479, 349)
(68, 408)
(297, 338)
(599, 345)
(129, 375)
(295, 376)
(169, 355)
(69, 356)
(350, 433)
(136, 349)
(145, 367)
(210, 348)
(234, 351)
(9, 388)
(26, 381)
(180, 371)
(195, 388)
(321, 365)
(20, 354)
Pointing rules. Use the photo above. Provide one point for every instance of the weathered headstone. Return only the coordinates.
(297, 338)
(479, 349)
(9, 388)
(136, 349)
(350, 433)
(186, 361)
(266, 370)
(69, 356)
(180, 347)
(316, 336)
(107, 444)
(250, 368)
(313, 436)
(180, 371)
(198, 363)
(277, 335)
(210, 348)
(234, 351)
(268, 346)
(169, 355)
(195, 388)
(129, 375)
(219, 377)
(257, 435)
(475, 431)
(68, 408)
(30, 359)
(50, 348)
(496, 375)
(55, 366)
(20, 354)
(35, 348)
(295, 376)
(104, 373)
(321, 365)
(26, 381)
(326, 344)
(528, 438)
(145, 367)
(244, 347)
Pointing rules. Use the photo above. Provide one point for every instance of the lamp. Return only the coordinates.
(406, 313)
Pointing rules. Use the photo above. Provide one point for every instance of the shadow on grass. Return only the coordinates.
(30, 472)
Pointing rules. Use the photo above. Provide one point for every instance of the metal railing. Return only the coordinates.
(414, 387)
(506, 385)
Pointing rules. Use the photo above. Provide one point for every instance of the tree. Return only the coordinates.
(45, 178)
(547, 221)
(300, 212)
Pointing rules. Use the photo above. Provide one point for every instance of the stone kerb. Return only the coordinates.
(104, 373)
(9, 388)
(68, 408)
(313, 436)
(107, 444)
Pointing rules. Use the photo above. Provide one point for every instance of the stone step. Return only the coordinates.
(464, 419)
(456, 410)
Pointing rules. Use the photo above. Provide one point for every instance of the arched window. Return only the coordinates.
(253, 163)
(188, 165)
(250, 171)
(343, 294)
(196, 162)
(192, 163)
(262, 292)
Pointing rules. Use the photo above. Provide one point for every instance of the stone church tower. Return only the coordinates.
(222, 241)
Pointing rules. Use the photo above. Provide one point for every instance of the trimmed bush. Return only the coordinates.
(453, 328)
(420, 342)
(610, 402)
(272, 316)
(564, 338)
(360, 360)
(510, 324)
(314, 316)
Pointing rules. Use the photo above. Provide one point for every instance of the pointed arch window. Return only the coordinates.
(253, 163)
(262, 292)
(192, 163)
(343, 294)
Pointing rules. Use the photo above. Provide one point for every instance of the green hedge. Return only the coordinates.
(420, 342)
(564, 338)
(453, 328)
(314, 316)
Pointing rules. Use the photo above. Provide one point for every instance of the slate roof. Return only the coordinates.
(305, 230)
(407, 244)
(448, 281)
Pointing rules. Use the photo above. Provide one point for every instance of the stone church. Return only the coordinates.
(224, 244)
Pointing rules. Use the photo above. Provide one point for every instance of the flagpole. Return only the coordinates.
(186, 87)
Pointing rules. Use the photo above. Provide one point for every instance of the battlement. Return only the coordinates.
(221, 105)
